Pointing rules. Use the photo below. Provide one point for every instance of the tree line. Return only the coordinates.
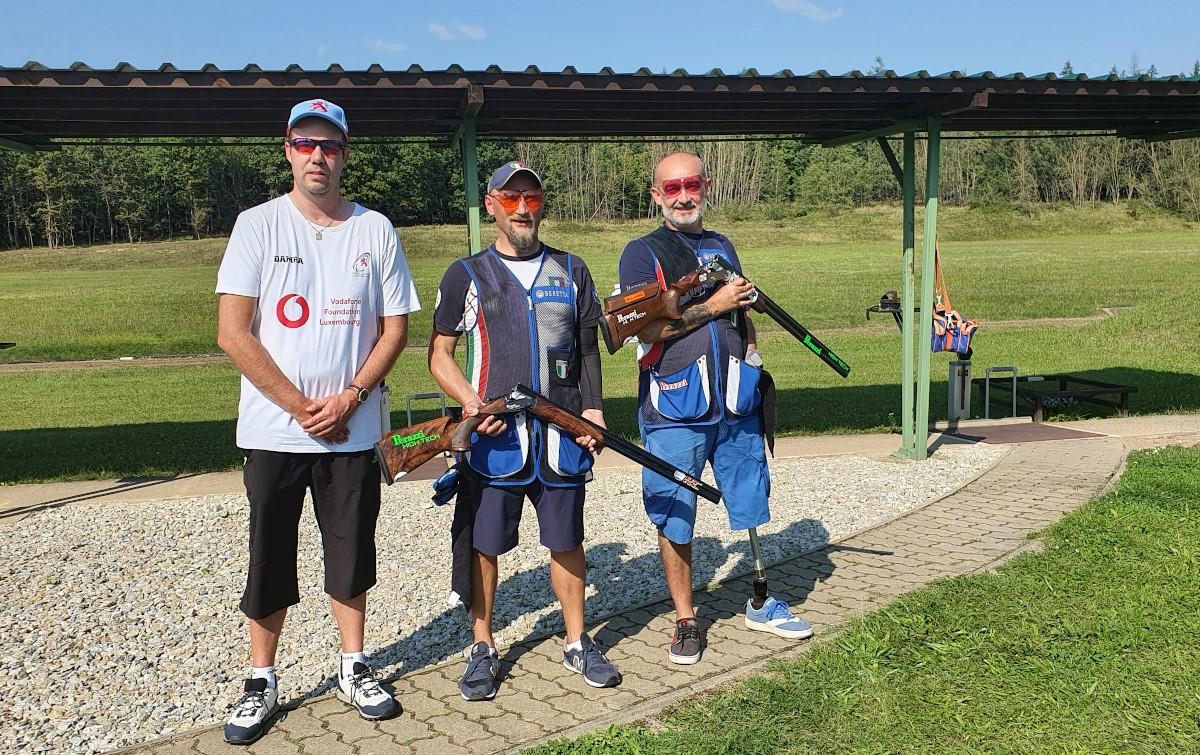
(82, 195)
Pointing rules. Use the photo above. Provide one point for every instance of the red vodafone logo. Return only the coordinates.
(281, 311)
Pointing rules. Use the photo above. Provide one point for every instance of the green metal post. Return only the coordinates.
(928, 242)
(471, 182)
(908, 387)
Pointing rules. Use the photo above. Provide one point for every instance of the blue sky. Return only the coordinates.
(770, 35)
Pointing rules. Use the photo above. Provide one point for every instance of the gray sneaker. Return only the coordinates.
(592, 664)
(481, 679)
(686, 643)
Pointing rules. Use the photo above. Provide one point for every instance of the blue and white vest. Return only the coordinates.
(530, 337)
(698, 378)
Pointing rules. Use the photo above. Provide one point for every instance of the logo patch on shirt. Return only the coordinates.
(282, 308)
(289, 258)
(560, 368)
(673, 386)
(552, 293)
(362, 265)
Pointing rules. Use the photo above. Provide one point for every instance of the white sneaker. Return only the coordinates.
(362, 690)
(248, 720)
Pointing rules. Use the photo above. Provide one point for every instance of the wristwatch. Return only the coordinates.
(360, 394)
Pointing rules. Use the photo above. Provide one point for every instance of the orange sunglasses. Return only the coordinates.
(510, 199)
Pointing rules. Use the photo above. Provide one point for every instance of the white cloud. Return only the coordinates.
(811, 11)
(473, 32)
(383, 45)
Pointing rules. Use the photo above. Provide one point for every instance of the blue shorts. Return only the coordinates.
(736, 450)
(559, 513)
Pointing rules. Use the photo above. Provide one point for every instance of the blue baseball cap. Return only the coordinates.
(320, 109)
(505, 173)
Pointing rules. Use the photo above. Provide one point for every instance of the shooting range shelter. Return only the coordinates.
(39, 105)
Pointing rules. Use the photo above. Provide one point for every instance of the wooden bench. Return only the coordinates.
(1041, 392)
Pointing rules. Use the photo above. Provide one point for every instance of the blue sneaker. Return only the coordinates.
(774, 617)
(590, 662)
(481, 679)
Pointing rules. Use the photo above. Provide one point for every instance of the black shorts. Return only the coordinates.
(559, 513)
(346, 493)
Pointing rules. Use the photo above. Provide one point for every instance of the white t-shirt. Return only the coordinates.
(319, 304)
(526, 270)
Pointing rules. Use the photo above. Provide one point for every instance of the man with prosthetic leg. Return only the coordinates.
(699, 398)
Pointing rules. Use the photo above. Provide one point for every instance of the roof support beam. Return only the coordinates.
(979, 100)
(898, 127)
(465, 143)
(470, 106)
(928, 253)
(15, 146)
(897, 171)
(908, 383)
(1193, 134)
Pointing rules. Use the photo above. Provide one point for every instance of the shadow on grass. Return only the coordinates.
(166, 449)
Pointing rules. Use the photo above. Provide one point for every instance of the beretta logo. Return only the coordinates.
(281, 311)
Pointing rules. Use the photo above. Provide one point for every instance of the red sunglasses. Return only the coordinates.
(306, 146)
(510, 199)
(692, 184)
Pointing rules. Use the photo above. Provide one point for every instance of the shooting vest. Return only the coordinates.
(696, 378)
(530, 337)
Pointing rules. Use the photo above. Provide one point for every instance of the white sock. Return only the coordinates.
(266, 672)
(348, 661)
(576, 645)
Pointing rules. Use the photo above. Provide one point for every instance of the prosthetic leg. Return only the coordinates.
(760, 572)
(767, 614)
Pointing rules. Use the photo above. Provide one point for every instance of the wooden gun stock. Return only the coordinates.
(404, 449)
(627, 313)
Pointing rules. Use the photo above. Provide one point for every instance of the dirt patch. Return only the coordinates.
(108, 364)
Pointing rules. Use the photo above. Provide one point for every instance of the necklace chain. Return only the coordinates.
(319, 228)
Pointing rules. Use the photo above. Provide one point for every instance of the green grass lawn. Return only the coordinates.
(145, 299)
(1089, 647)
(156, 299)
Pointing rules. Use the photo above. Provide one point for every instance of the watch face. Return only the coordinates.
(363, 394)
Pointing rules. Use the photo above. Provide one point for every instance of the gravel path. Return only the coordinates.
(124, 625)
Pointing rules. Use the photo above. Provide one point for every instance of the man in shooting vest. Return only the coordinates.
(529, 313)
(315, 295)
(698, 396)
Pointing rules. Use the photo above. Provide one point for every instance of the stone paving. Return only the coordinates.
(974, 528)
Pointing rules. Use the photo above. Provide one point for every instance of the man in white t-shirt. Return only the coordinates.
(315, 295)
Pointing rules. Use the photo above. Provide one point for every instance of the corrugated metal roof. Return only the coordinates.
(39, 104)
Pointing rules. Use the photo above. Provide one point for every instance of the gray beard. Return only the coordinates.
(522, 242)
(694, 226)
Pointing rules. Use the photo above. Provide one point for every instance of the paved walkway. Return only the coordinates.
(979, 525)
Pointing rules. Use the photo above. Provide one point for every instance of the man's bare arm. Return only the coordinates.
(331, 412)
(736, 293)
(450, 378)
(235, 315)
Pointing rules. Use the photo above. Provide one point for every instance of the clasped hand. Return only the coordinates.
(327, 418)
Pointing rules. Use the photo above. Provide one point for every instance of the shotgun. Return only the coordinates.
(402, 451)
(626, 314)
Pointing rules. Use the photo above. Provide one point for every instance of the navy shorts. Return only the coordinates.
(498, 516)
